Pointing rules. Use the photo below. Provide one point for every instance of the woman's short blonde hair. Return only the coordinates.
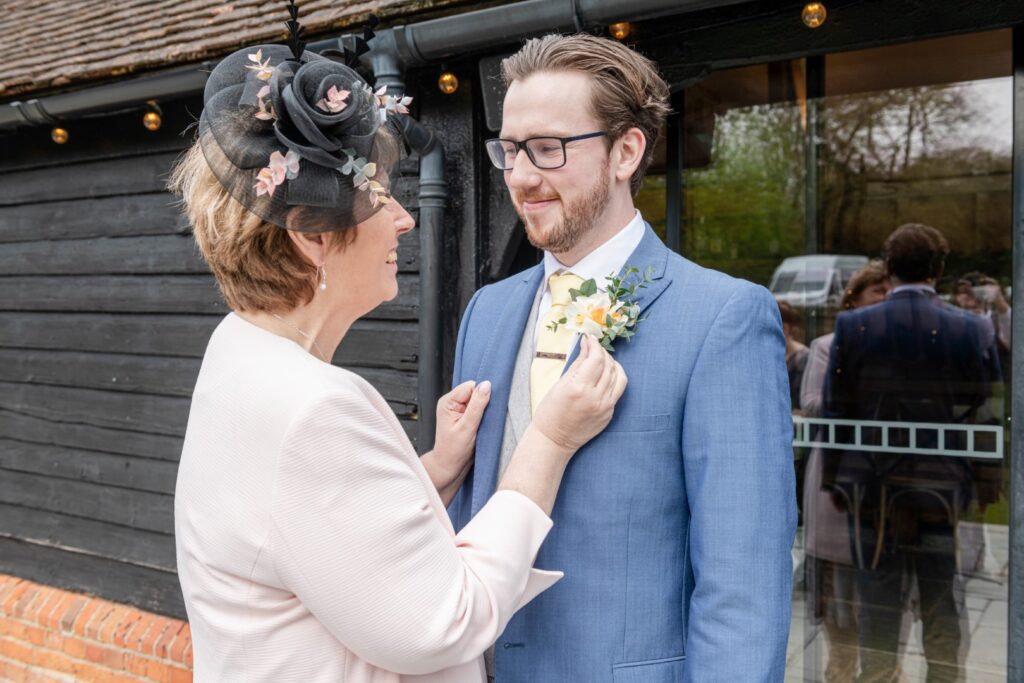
(255, 263)
(871, 274)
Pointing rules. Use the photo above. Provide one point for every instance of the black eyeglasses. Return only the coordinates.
(545, 153)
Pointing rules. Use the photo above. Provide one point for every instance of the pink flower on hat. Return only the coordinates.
(335, 100)
(266, 112)
(281, 167)
(262, 67)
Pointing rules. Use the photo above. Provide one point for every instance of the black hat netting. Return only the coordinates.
(303, 144)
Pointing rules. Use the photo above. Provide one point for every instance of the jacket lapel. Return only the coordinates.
(497, 364)
(650, 255)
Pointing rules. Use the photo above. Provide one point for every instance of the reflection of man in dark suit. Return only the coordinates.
(911, 358)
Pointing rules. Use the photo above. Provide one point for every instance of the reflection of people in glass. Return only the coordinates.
(796, 351)
(981, 295)
(826, 540)
(912, 358)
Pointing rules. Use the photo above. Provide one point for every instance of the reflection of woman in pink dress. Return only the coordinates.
(826, 530)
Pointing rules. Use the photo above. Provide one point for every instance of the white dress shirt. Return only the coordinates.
(919, 287)
(607, 259)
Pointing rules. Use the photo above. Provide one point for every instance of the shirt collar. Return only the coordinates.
(607, 259)
(913, 287)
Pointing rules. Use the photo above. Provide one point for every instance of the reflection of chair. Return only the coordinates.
(942, 441)
(894, 487)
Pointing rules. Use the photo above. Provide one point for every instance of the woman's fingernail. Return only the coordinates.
(484, 387)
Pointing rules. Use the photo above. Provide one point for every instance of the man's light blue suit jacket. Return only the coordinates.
(674, 525)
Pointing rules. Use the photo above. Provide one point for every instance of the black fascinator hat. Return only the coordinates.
(299, 139)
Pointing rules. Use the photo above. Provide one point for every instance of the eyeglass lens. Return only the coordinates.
(543, 152)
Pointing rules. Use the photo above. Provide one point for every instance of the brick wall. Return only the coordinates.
(51, 635)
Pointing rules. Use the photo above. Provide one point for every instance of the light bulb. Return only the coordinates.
(814, 14)
(448, 82)
(620, 31)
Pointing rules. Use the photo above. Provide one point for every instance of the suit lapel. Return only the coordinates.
(651, 254)
(497, 364)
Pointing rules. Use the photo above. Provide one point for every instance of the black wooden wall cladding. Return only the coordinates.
(105, 311)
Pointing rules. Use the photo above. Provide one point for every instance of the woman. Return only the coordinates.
(796, 351)
(313, 544)
(869, 285)
(825, 525)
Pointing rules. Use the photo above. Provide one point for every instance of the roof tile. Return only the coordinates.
(54, 43)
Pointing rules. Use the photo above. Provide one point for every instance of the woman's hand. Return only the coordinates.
(582, 402)
(458, 417)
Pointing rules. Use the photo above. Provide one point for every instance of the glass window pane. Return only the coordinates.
(797, 175)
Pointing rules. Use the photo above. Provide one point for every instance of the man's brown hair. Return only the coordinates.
(915, 252)
(626, 89)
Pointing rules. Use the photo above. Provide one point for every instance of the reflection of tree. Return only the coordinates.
(884, 158)
(891, 136)
(745, 204)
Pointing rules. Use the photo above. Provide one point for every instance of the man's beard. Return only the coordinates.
(577, 217)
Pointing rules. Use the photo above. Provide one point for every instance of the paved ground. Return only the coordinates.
(986, 600)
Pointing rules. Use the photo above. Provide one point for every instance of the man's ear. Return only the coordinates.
(312, 246)
(631, 147)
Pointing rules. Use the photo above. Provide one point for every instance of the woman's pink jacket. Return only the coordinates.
(311, 543)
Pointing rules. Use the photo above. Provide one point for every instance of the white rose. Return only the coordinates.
(588, 314)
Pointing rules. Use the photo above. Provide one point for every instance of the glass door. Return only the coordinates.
(870, 191)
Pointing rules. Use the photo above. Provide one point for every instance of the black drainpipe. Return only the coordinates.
(433, 196)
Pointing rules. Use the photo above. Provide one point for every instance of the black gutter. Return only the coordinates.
(167, 85)
(404, 46)
(431, 41)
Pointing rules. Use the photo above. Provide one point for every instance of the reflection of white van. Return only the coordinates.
(816, 280)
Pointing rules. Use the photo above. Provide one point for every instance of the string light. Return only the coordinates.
(152, 118)
(814, 14)
(621, 30)
(59, 135)
(448, 82)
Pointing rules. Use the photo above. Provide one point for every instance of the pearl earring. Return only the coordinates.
(323, 277)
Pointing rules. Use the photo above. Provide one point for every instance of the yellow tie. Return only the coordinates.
(552, 347)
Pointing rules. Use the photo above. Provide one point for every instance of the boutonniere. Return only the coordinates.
(606, 315)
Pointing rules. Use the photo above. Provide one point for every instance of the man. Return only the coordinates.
(912, 358)
(674, 526)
